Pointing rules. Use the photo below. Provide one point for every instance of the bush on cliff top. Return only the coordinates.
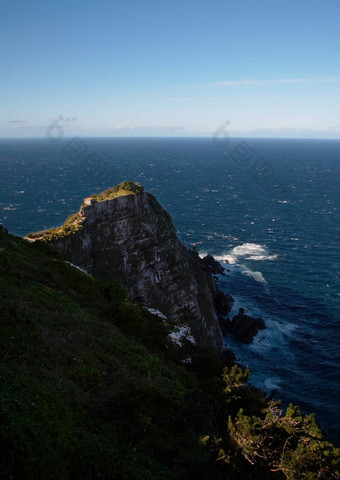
(73, 223)
(125, 188)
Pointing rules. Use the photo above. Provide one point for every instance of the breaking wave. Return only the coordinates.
(246, 251)
(251, 251)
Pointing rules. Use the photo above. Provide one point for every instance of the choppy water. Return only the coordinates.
(269, 207)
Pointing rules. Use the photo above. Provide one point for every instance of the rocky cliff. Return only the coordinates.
(124, 234)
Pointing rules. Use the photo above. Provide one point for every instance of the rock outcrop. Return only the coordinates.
(124, 234)
(212, 266)
(242, 326)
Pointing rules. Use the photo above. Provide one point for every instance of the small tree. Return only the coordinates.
(290, 443)
(235, 378)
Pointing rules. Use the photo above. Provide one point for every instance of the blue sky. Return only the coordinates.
(142, 68)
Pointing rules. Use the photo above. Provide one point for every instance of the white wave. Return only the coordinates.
(230, 259)
(262, 257)
(249, 249)
(255, 275)
(230, 263)
(224, 260)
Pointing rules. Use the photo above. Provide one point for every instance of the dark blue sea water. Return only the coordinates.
(269, 207)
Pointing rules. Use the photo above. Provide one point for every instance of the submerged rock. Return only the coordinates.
(124, 234)
(243, 327)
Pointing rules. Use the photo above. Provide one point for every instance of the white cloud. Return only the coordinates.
(279, 81)
(287, 132)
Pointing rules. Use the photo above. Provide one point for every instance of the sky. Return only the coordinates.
(262, 68)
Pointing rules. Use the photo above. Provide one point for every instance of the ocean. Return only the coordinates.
(267, 209)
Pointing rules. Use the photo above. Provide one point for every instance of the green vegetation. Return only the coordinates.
(92, 387)
(290, 443)
(71, 225)
(125, 188)
(74, 222)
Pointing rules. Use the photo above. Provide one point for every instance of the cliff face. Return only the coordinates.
(125, 234)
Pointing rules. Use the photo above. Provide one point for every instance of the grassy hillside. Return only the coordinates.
(93, 387)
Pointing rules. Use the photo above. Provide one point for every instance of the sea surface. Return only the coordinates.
(268, 209)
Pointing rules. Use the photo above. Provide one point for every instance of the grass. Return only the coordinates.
(125, 188)
(86, 391)
(91, 387)
(74, 222)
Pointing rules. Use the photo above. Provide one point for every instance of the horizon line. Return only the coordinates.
(169, 136)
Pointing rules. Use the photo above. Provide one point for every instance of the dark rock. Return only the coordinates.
(3, 229)
(244, 327)
(124, 234)
(195, 249)
(211, 265)
(225, 325)
(223, 303)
